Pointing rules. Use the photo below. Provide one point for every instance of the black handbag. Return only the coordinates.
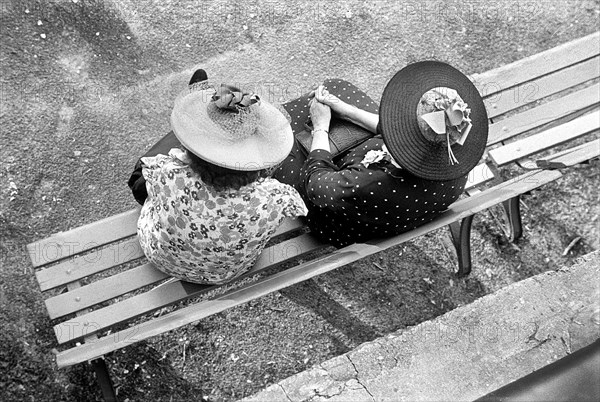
(343, 136)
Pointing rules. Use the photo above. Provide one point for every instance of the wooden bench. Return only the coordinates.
(103, 296)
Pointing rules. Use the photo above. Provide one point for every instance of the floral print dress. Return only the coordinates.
(195, 233)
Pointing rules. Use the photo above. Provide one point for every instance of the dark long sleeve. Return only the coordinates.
(322, 179)
(350, 202)
(136, 181)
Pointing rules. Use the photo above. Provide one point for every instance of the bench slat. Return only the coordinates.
(66, 244)
(302, 272)
(479, 175)
(546, 139)
(172, 292)
(103, 290)
(79, 267)
(101, 233)
(582, 153)
(124, 282)
(532, 91)
(523, 70)
(288, 225)
(544, 114)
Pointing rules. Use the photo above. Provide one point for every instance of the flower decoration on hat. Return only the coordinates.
(448, 115)
(231, 98)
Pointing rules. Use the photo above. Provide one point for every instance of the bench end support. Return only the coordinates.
(461, 238)
(103, 378)
(513, 213)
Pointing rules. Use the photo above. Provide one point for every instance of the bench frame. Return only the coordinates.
(85, 252)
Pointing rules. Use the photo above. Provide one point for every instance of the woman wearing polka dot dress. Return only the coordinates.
(430, 132)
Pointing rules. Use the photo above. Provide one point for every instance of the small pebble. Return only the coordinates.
(43, 36)
(39, 22)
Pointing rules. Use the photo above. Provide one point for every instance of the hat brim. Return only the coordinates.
(270, 144)
(400, 127)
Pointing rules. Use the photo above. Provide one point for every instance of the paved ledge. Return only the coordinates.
(466, 353)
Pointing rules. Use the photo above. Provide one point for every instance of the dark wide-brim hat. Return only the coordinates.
(401, 131)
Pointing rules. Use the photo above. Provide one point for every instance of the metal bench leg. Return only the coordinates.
(461, 238)
(108, 392)
(513, 213)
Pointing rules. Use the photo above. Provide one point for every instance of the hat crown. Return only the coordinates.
(231, 98)
(230, 128)
(453, 119)
(236, 125)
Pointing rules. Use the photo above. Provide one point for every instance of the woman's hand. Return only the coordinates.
(320, 115)
(337, 105)
(343, 110)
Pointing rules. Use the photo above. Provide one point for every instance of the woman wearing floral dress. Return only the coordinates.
(210, 205)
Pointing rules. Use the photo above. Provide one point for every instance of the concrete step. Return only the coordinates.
(468, 352)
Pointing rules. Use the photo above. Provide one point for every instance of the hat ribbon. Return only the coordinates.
(231, 98)
(455, 115)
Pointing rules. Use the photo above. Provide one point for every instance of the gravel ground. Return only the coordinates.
(86, 86)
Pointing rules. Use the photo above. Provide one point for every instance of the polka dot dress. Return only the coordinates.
(299, 112)
(350, 203)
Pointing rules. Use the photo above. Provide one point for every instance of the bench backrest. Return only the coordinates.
(565, 77)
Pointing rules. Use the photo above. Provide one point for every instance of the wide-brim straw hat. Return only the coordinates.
(405, 139)
(231, 129)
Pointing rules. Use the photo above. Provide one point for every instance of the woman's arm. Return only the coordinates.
(137, 182)
(320, 140)
(366, 120)
(321, 117)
